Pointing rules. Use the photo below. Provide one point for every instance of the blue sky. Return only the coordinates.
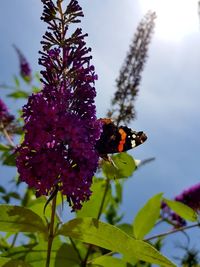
(168, 108)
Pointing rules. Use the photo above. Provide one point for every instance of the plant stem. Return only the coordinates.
(104, 198)
(76, 249)
(7, 136)
(51, 231)
(14, 240)
(172, 231)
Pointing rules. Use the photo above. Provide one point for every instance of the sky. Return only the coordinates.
(167, 106)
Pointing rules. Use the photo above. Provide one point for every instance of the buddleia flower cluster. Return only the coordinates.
(189, 197)
(61, 128)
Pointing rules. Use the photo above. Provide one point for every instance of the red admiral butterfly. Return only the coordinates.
(116, 139)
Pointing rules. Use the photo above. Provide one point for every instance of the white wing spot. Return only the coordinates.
(133, 136)
(133, 144)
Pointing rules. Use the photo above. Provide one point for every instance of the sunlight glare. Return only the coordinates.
(176, 19)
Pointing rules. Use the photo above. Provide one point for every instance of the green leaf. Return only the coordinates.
(14, 195)
(147, 217)
(2, 189)
(101, 234)
(19, 94)
(16, 81)
(182, 210)
(35, 89)
(37, 206)
(67, 256)
(5, 147)
(37, 76)
(8, 158)
(118, 191)
(124, 166)
(127, 228)
(18, 219)
(107, 261)
(16, 263)
(3, 260)
(37, 256)
(91, 207)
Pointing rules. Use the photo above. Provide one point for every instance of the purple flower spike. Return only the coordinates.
(61, 128)
(189, 197)
(25, 70)
(5, 117)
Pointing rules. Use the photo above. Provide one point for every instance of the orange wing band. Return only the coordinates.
(123, 140)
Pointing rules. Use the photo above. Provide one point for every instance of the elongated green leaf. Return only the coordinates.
(147, 217)
(5, 147)
(91, 208)
(182, 210)
(18, 219)
(19, 94)
(16, 263)
(17, 82)
(124, 166)
(106, 261)
(101, 234)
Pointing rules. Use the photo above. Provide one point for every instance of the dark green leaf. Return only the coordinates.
(147, 217)
(182, 210)
(19, 94)
(5, 147)
(124, 166)
(3, 261)
(18, 219)
(101, 234)
(118, 190)
(67, 256)
(16, 263)
(127, 228)
(8, 158)
(14, 195)
(2, 189)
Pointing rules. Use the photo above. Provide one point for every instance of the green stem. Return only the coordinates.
(104, 198)
(76, 249)
(84, 263)
(14, 240)
(51, 231)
